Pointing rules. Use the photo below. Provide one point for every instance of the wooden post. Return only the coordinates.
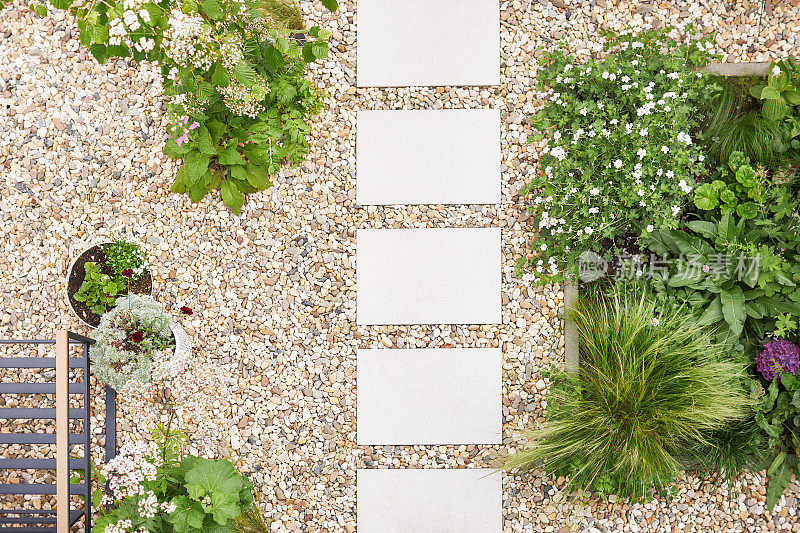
(62, 432)
(571, 348)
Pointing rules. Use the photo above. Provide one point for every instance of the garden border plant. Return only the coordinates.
(739, 209)
(238, 97)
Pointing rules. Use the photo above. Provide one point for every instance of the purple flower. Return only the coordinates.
(779, 356)
(194, 125)
(182, 139)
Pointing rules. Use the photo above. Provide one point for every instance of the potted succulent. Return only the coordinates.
(137, 340)
(101, 273)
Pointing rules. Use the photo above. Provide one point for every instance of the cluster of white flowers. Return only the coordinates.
(189, 42)
(685, 138)
(244, 100)
(148, 506)
(121, 27)
(136, 463)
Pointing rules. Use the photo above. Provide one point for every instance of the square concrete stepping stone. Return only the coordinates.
(466, 500)
(428, 276)
(429, 396)
(441, 156)
(428, 42)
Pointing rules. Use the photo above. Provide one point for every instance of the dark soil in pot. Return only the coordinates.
(95, 254)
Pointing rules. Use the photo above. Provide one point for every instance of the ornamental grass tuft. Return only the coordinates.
(644, 397)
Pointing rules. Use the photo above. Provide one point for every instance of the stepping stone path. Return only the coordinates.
(467, 500)
(428, 275)
(428, 42)
(429, 396)
(449, 156)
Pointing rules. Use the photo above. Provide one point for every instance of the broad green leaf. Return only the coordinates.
(196, 166)
(728, 196)
(100, 34)
(783, 279)
(747, 210)
(100, 53)
(777, 484)
(204, 142)
(216, 129)
(733, 308)
(61, 4)
(187, 516)
(39, 9)
(726, 230)
(230, 156)
(257, 176)
(692, 246)
(795, 398)
(756, 91)
(320, 49)
(777, 462)
(774, 109)
(212, 8)
(706, 197)
(244, 74)
(331, 5)
(174, 150)
(746, 176)
(85, 36)
(220, 76)
(217, 479)
(179, 186)
(232, 196)
(713, 312)
(703, 227)
(792, 97)
(770, 93)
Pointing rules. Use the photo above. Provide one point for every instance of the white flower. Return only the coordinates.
(588, 230)
(664, 149)
(641, 152)
(701, 158)
(582, 111)
(618, 164)
(643, 132)
(595, 191)
(543, 247)
(775, 70)
(650, 228)
(670, 174)
(640, 192)
(675, 210)
(557, 135)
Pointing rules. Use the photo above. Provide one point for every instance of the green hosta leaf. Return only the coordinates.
(775, 109)
(778, 483)
(706, 197)
(212, 8)
(232, 196)
(757, 90)
(792, 97)
(733, 308)
(196, 166)
(244, 74)
(230, 156)
(770, 93)
(780, 82)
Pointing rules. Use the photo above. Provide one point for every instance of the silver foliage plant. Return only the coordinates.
(114, 361)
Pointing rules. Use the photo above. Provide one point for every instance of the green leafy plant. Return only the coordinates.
(649, 388)
(123, 256)
(737, 275)
(620, 147)
(238, 98)
(780, 93)
(743, 190)
(174, 492)
(779, 417)
(98, 291)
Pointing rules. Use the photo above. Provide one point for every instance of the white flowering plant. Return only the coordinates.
(617, 140)
(154, 487)
(238, 97)
(134, 342)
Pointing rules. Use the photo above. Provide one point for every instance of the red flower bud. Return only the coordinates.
(128, 273)
(186, 310)
(137, 336)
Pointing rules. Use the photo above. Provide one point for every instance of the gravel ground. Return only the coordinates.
(273, 288)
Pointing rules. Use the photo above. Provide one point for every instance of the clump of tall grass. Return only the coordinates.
(737, 125)
(284, 13)
(649, 390)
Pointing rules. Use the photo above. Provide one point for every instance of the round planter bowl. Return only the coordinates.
(75, 276)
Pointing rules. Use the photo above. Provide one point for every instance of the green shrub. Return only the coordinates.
(238, 99)
(620, 152)
(126, 257)
(98, 291)
(649, 387)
